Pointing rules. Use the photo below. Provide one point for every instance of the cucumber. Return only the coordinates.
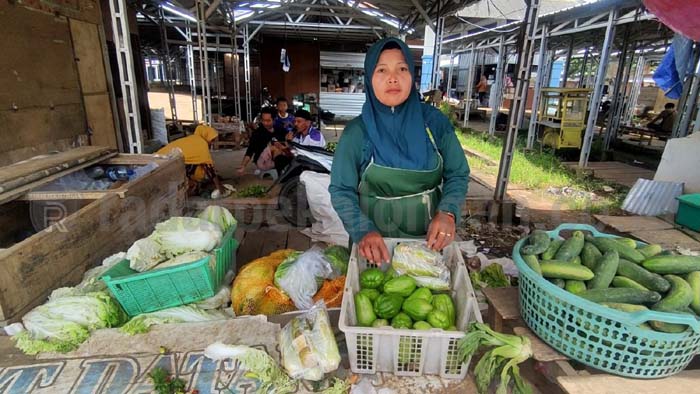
(650, 250)
(693, 279)
(672, 264)
(571, 247)
(679, 297)
(607, 244)
(561, 283)
(590, 255)
(621, 295)
(576, 260)
(552, 249)
(629, 308)
(575, 286)
(565, 270)
(645, 278)
(605, 270)
(671, 328)
(532, 262)
(538, 242)
(621, 281)
(627, 241)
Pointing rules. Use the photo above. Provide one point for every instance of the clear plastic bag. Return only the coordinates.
(301, 277)
(426, 266)
(308, 346)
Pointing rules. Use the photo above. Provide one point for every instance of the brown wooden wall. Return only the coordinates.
(304, 74)
(52, 78)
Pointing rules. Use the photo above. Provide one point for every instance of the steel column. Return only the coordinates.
(636, 89)
(613, 116)
(567, 64)
(685, 113)
(470, 86)
(236, 64)
(217, 78)
(542, 59)
(127, 76)
(496, 91)
(584, 63)
(598, 91)
(449, 74)
(526, 42)
(190, 72)
(435, 80)
(167, 69)
(246, 70)
(203, 62)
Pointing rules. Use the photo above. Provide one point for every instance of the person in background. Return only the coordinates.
(260, 138)
(398, 170)
(283, 120)
(199, 165)
(663, 122)
(482, 88)
(305, 133)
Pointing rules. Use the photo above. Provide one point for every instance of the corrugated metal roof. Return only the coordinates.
(346, 105)
(653, 198)
(342, 60)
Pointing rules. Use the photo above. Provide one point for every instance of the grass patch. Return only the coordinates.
(537, 170)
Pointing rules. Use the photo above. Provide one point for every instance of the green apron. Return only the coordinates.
(401, 202)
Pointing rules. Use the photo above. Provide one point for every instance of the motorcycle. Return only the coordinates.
(292, 200)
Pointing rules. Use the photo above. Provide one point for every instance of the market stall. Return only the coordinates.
(342, 83)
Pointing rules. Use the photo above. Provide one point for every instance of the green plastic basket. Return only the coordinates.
(598, 336)
(141, 292)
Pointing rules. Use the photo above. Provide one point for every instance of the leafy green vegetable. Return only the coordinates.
(63, 323)
(179, 235)
(253, 191)
(163, 383)
(506, 353)
(259, 364)
(218, 215)
(339, 386)
(144, 254)
(338, 256)
(180, 314)
(493, 276)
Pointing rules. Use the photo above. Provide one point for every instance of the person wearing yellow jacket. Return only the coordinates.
(199, 165)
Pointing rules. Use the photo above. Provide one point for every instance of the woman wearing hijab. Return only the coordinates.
(399, 170)
(199, 166)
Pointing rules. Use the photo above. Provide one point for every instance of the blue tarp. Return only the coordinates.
(676, 63)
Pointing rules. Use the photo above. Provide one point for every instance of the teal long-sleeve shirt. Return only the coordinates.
(353, 154)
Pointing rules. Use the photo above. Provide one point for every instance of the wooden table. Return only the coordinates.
(642, 132)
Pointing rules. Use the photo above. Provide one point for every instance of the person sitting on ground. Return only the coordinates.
(663, 122)
(283, 120)
(305, 133)
(199, 165)
(260, 139)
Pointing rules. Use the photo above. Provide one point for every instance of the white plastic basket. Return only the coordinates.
(431, 352)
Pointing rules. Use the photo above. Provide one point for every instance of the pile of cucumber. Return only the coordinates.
(616, 273)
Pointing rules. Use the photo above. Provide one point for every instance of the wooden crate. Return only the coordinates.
(106, 222)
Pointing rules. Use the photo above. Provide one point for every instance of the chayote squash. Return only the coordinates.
(417, 308)
(364, 311)
(402, 285)
(372, 294)
(444, 304)
(421, 325)
(438, 319)
(422, 293)
(371, 278)
(387, 306)
(402, 320)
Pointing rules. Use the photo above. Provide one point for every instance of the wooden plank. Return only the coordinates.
(88, 57)
(59, 255)
(669, 239)
(504, 300)
(98, 111)
(70, 195)
(39, 167)
(45, 147)
(297, 241)
(626, 224)
(14, 193)
(683, 382)
(273, 240)
(12, 356)
(540, 350)
(249, 249)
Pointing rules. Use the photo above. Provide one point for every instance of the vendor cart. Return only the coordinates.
(562, 117)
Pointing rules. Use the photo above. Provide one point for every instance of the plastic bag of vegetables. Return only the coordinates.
(219, 216)
(338, 256)
(301, 277)
(308, 346)
(424, 265)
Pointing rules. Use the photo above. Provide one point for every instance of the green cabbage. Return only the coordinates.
(180, 314)
(179, 235)
(220, 216)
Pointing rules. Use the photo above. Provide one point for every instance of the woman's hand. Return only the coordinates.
(373, 248)
(441, 231)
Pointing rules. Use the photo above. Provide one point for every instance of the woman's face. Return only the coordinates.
(391, 80)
